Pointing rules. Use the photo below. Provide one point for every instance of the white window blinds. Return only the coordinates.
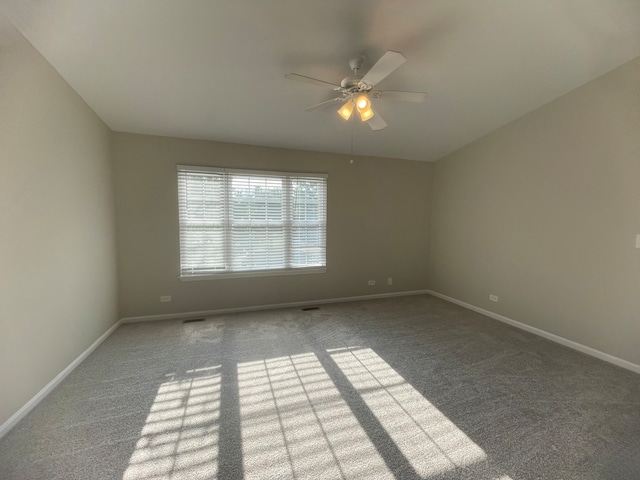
(234, 221)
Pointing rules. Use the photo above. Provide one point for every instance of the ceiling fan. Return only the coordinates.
(356, 91)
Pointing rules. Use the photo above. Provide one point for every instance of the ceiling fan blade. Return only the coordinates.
(323, 104)
(312, 81)
(376, 122)
(396, 96)
(383, 67)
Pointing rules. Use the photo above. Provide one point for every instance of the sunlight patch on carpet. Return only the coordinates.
(180, 435)
(430, 442)
(295, 424)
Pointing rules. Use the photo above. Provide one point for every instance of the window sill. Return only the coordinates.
(253, 273)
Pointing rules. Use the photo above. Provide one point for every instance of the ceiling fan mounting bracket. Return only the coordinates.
(356, 63)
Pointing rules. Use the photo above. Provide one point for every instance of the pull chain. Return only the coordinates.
(352, 122)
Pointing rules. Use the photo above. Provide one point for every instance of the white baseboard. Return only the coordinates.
(549, 336)
(26, 408)
(30, 405)
(273, 306)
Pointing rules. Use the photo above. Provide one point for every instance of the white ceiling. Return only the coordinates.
(214, 69)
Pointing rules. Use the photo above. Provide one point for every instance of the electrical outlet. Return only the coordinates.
(389, 281)
(165, 298)
(371, 282)
(493, 298)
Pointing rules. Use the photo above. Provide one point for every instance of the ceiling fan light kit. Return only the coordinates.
(356, 90)
(362, 104)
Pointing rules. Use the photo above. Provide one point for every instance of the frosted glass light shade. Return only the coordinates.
(346, 110)
(363, 103)
(366, 114)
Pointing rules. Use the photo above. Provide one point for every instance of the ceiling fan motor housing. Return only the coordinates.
(354, 84)
(351, 82)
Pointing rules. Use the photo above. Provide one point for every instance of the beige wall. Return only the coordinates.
(377, 226)
(543, 213)
(57, 243)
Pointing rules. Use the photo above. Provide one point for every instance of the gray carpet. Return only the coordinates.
(400, 388)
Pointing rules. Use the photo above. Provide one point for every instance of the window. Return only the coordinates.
(248, 223)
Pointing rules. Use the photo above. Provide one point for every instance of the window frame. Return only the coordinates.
(228, 175)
